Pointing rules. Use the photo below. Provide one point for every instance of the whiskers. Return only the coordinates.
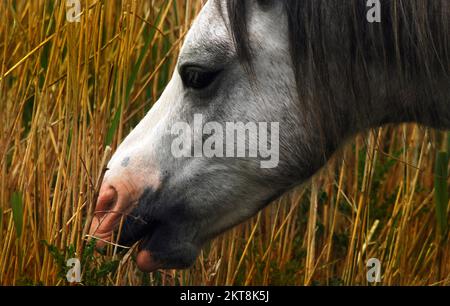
(124, 215)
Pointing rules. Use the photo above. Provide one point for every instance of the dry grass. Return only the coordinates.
(69, 90)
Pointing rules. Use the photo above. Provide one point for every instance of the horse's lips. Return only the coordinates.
(110, 208)
(146, 262)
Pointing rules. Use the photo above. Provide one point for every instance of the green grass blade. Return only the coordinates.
(17, 209)
(114, 126)
(116, 120)
(441, 192)
(144, 51)
(448, 142)
(1, 221)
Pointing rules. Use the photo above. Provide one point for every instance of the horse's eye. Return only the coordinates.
(197, 77)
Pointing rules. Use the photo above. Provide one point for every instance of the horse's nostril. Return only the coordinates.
(116, 218)
(103, 222)
(106, 201)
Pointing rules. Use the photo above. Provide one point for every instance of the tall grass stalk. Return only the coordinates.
(70, 92)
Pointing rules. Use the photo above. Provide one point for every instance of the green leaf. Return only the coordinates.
(114, 126)
(441, 191)
(17, 209)
(448, 142)
(1, 220)
(58, 257)
(144, 51)
(116, 120)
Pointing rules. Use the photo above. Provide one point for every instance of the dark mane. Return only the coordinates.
(335, 49)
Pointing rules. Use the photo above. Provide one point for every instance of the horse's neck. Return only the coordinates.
(427, 104)
(404, 69)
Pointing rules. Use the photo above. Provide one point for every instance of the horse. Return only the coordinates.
(321, 69)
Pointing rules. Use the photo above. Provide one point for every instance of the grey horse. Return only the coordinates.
(321, 69)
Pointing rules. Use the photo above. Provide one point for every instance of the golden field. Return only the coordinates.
(70, 92)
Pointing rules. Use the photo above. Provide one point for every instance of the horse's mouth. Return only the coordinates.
(157, 248)
(147, 263)
(134, 230)
(145, 259)
(165, 237)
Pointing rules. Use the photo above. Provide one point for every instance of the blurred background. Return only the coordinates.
(71, 91)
